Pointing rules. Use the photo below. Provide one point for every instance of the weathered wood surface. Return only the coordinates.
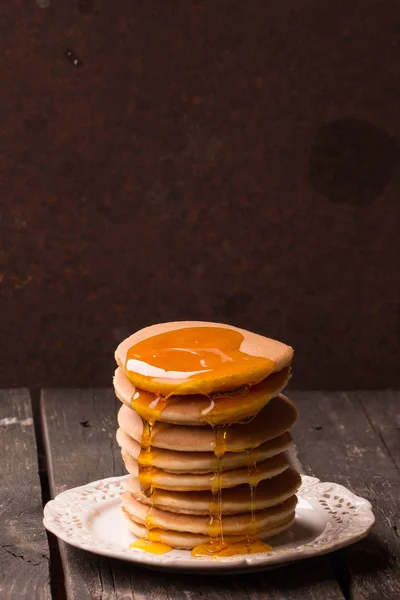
(79, 430)
(353, 438)
(24, 553)
(383, 412)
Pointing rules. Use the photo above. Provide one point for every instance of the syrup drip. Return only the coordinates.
(153, 542)
(214, 525)
(151, 547)
(251, 458)
(148, 406)
(218, 549)
(252, 504)
(253, 482)
(215, 529)
(241, 406)
(220, 440)
(145, 458)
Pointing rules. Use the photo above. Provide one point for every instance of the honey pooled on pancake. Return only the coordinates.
(195, 357)
(207, 375)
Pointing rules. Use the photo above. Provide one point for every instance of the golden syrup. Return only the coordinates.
(220, 432)
(251, 458)
(214, 524)
(219, 451)
(253, 482)
(152, 543)
(252, 545)
(253, 522)
(243, 406)
(151, 547)
(215, 530)
(219, 549)
(156, 405)
(146, 436)
(146, 459)
(254, 478)
(194, 360)
(146, 471)
(252, 505)
(210, 548)
(149, 524)
(246, 547)
(147, 405)
(146, 480)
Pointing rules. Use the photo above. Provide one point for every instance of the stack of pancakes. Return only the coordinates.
(203, 429)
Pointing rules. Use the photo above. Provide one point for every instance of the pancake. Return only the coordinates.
(187, 541)
(195, 462)
(197, 409)
(234, 500)
(273, 420)
(167, 480)
(221, 359)
(237, 524)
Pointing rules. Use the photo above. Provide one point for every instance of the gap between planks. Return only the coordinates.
(24, 552)
(57, 586)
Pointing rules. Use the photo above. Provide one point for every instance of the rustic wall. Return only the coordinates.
(225, 160)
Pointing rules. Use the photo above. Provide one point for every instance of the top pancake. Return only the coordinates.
(197, 357)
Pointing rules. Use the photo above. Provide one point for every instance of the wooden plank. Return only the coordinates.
(79, 430)
(383, 411)
(24, 553)
(345, 437)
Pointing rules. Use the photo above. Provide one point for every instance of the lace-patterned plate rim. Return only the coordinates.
(89, 517)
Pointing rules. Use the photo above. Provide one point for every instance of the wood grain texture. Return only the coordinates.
(351, 438)
(383, 412)
(24, 553)
(79, 429)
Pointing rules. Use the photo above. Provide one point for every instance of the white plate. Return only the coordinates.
(328, 517)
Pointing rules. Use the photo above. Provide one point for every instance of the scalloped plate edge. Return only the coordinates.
(311, 488)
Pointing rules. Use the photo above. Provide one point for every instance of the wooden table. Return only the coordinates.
(352, 438)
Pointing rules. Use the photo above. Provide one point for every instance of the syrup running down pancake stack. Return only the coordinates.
(203, 429)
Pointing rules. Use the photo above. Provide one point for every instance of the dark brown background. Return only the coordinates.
(219, 160)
